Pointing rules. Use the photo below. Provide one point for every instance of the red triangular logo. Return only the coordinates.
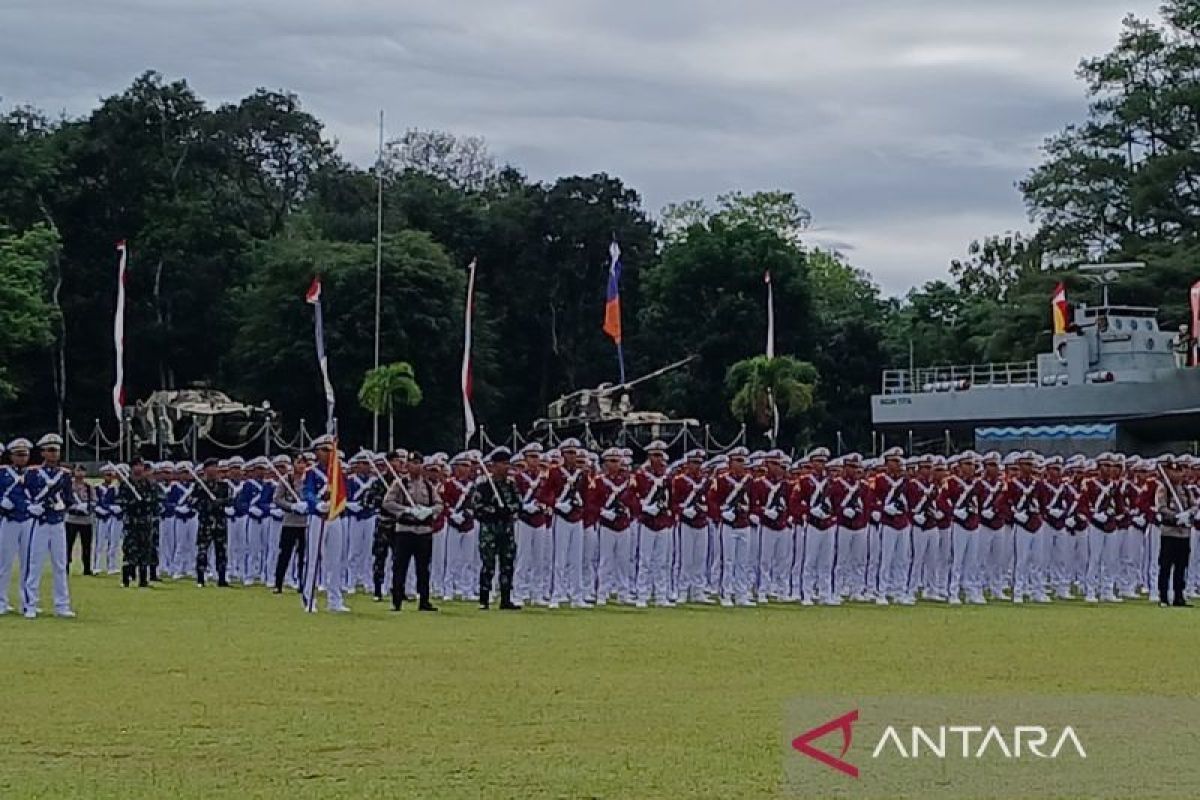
(845, 724)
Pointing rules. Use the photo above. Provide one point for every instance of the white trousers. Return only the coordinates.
(236, 547)
(183, 561)
(462, 574)
(166, 545)
(693, 563)
(254, 553)
(1030, 556)
(714, 567)
(616, 554)
(775, 562)
(820, 555)
(361, 534)
(923, 566)
(853, 555)
(46, 540)
(591, 561)
(965, 553)
(737, 563)
(1103, 563)
(106, 552)
(1133, 541)
(14, 544)
(325, 548)
(891, 556)
(653, 568)
(567, 543)
(996, 562)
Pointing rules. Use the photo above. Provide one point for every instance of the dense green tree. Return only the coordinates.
(387, 387)
(760, 387)
(26, 318)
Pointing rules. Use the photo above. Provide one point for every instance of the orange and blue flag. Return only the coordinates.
(612, 303)
(337, 485)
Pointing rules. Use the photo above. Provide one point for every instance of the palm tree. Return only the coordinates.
(386, 387)
(752, 383)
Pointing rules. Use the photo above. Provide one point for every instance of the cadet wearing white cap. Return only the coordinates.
(690, 503)
(325, 543)
(531, 577)
(568, 485)
(729, 504)
(15, 520)
(48, 487)
(360, 522)
(654, 529)
(1103, 501)
(106, 555)
(1026, 492)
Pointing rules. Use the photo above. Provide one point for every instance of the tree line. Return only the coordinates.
(229, 210)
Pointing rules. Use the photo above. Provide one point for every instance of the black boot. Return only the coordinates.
(221, 578)
(484, 600)
(506, 603)
(154, 575)
(378, 592)
(143, 577)
(426, 605)
(200, 578)
(126, 575)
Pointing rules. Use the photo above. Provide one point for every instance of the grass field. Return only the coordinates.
(177, 692)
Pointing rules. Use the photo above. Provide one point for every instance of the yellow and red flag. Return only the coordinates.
(337, 485)
(1060, 309)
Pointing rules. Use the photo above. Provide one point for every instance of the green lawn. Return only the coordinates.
(178, 692)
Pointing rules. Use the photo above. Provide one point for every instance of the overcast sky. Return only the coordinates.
(902, 124)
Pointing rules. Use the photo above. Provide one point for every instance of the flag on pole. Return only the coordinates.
(1060, 309)
(118, 392)
(338, 493)
(1193, 350)
(313, 298)
(612, 303)
(468, 413)
(771, 353)
(770, 316)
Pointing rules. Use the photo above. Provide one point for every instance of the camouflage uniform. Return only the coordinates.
(140, 517)
(381, 543)
(496, 538)
(213, 528)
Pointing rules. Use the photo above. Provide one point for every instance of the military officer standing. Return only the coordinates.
(212, 531)
(496, 500)
(139, 497)
(49, 488)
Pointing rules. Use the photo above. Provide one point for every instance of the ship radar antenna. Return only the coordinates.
(1105, 275)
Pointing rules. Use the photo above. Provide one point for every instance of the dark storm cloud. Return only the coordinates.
(902, 125)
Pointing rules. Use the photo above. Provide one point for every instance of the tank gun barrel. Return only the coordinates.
(620, 387)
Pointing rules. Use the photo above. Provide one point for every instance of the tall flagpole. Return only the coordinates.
(467, 388)
(771, 353)
(118, 392)
(378, 266)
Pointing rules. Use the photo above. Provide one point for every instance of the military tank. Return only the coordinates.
(171, 419)
(605, 414)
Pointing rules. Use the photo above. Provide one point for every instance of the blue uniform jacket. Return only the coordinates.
(50, 487)
(14, 493)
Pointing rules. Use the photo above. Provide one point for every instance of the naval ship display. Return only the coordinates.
(1111, 381)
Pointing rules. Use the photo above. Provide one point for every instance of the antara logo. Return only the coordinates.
(943, 741)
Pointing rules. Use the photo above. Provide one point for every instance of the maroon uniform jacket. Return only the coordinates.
(1056, 502)
(569, 486)
(730, 494)
(618, 496)
(815, 492)
(533, 489)
(852, 499)
(922, 502)
(454, 496)
(962, 496)
(654, 490)
(1103, 499)
(688, 492)
(892, 492)
(1025, 497)
(771, 495)
(993, 497)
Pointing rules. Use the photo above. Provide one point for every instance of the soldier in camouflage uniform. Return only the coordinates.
(140, 498)
(496, 502)
(213, 530)
(384, 522)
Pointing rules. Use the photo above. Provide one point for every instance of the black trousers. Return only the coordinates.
(291, 540)
(84, 532)
(1173, 555)
(405, 546)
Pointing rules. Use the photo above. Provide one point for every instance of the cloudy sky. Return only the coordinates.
(902, 125)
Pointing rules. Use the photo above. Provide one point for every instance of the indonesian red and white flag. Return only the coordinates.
(118, 392)
(770, 315)
(467, 388)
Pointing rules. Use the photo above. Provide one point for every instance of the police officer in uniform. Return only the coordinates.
(496, 501)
